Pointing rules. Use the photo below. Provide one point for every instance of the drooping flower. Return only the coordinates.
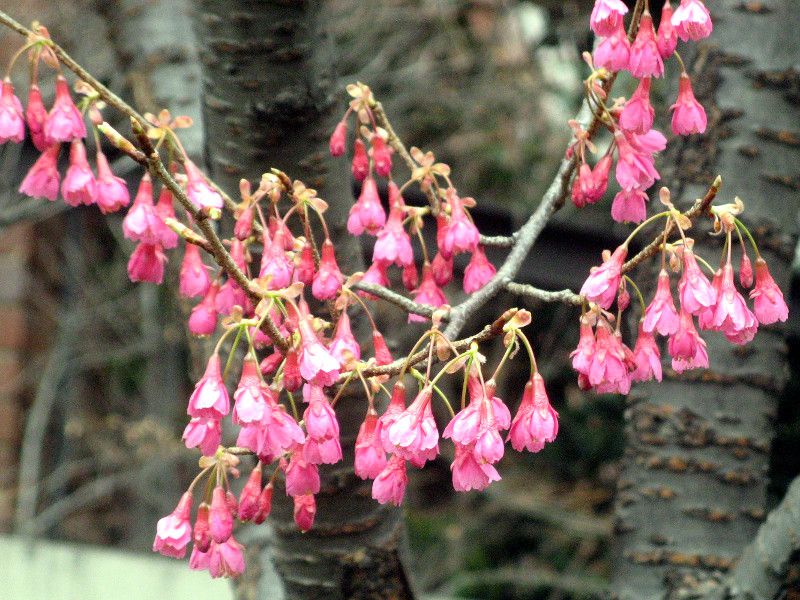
(367, 213)
(302, 476)
(638, 114)
(591, 184)
(688, 114)
(338, 139)
(243, 228)
(686, 347)
(12, 122)
(201, 536)
(647, 357)
(661, 314)
(381, 156)
(328, 280)
(461, 234)
(199, 190)
(609, 369)
(636, 164)
(468, 472)
(629, 206)
(370, 458)
(582, 355)
(250, 397)
(64, 121)
(220, 519)
(35, 116)
(442, 269)
(376, 274)
(42, 178)
(746, 271)
(317, 364)
(111, 192)
(731, 314)
(226, 559)
(382, 354)
(645, 60)
(141, 224)
(203, 433)
(603, 282)
(427, 293)
(210, 398)
(607, 16)
(78, 186)
(251, 492)
(203, 319)
(390, 484)
(360, 165)
(397, 405)
(275, 264)
(667, 36)
(476, 425)
(304, 267)
(174, 531)
(695, 292)
(393, 244)
(769, 305)
(536, 421)
(264, 504)
(613, 53)
(344, 345)
(146, 263)
(692, 20)
(305, 510)
(194, 278)
(413, 434)
(479, 271)
(275, 434)
(322, 442)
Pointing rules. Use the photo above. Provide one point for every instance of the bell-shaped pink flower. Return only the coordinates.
(461, 234)
(174, 531)
(647, 357)
(381, 156)
(200, 534)
(275, 264)
(414, 434)
(390, 484)
(199, 190)
(479, 271)
(251, 492)
(338, 139)
(603, 282)
(220, 519)
(645, 58)
(410, 277)
(536, 421)
(614, 52)
(695, 292)
(476, 425)
(146, 263)
(243, 227)
(35, 116)
(686, 347)
(12, 122)
(667, 39)
(370, 458)
(328, 280)
(591, 184)
(635, 164)
(249, 399)
(275, 434)
(427, 293)
(285, 236)
(344, 346)
(609, 365)
(164, 210)
(607, 16)
(203, 433)
(210, 398)
(768, 303)
(692, 20)
(302, 476)
(142, 223)
(226, 559)
(317, 364)
(382, 354)
(194, 278)
(42, 179)
(688, 114)
(469, 473)
(629, 206)
(746, 271)
(583, 355)
(304, 265)
(264, 504)
(638, 114)
(661, 315)
(78, 186)
(442, 269)
(305, 510)
(367, 213)
(111, 192)
(64, 121)
(360, 165)
(397, 406)
(731, 314)
(322, 442)
(203, 320)
(376, 274)
(393, 244)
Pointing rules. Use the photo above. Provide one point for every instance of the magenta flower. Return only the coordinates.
(305, 509)
(381, 156)
(603, 282)
(647, 357)
(614, 52)
(249, 399)
(635, 165)
(397, 406)
(536, 421)
(661, 315)
(251, 492)
(141, 224)
(194, 278)
(582, 355)
(304, 268)
(264, 504)
(376, 274)
(427, 293)
(302, 476)
(210, 398)
(692, 20)
(638, 114)
(746, 271)
(200, 535)
(226, 559)
(667, 36)
(393, 244)
(203, 320)
(591, 184)
(273, 435)
(390, 484)
(328, 280)
(64, 121)
(694, 290)
(769, 305)
(645, 58)
(468, 472)
(243, 227)
(367, 213)
(12, 122)
(322, 442)
(609, 368)
(442, 269)
(220, 519)
(476, 425)
(275, 264)
(203, 433)
(687, 348)
(42, 179)
(111, 192)
(344, 346)
(461, 235)
(370, 458)
(607, 16)
(198, 189)
(35, 116)
(688, 115)
(78, 186)
(413, 434)
(629, 206)
(174, 531)
(317, 364)
(731, 314)
(382, 354)
(338, 139)
(360, 165)
(479, 271)
(146, 263)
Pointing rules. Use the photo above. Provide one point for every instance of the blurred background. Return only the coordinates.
(95, 371)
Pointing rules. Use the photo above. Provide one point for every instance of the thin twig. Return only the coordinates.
(406, 304)
(565, 296)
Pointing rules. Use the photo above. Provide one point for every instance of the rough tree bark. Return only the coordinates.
(269, 102)
(693, 487)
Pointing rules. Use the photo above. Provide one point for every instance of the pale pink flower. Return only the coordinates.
(376, 274)
(694, 290)
(200, 559)
(78, 186)
(305, 509)
(210, 398)
(367, 213)
(381, 156)
(198, 189)
(370, 458)
(203, 319)
(629, 206)
(661, 315)
(468, 472)
(338, 139)
(607, 16)
(203, 433)
(344, 346)
(393, 244)
(35, 116)
(146, 263)
(769, 305)
(536, 421)
(42, 179)
(194, 278)
(322, 442)
(12, 123)
(427, 293)
(647, 357)
(317, 364)
(638, 114)
(302, 476)
(111, 192)
(413, 435)
(686, 347)
(667, 36)
(328, 280)
(603, 282)
(692, 20)
(226, 559)
(461, 234)
(220, 519)
(613, 53)
(479, 271)
(645, 58)
(360, 165)
(688, 115)
(174, 531)
(250, 397)
(64, 121)
(390, 484)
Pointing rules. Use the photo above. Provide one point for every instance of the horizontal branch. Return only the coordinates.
(500, 241)
(406, 304)
(565, 296)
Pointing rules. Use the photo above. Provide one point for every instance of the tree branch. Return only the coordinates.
(565, 296)
(406, 304)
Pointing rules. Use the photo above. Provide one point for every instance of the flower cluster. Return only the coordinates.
(635, 144)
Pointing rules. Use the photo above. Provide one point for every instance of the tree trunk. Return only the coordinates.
(269, 102)
(693, 486)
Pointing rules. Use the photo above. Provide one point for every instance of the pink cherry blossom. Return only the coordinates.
(360, 165)
(427, 293)
(42, 179)
(275, 264)
(251, 492)
(769, 305)
(64, 121)
(174, 531)
(243, 228)
(376, 274)
(667, 36)
(78, 186)
(200, 534)
(442, 269)
(645, 60)
(142, 224)
(731, 314)
(12, 122)
(476, 425)
(304, 267)
(635, 164)
(536, 421)
(328, 280)
(317, 364)
(688, 114)
(199, 190)
(393, 244)
(687, 348)
(629, 206)
(638, 114)
(111, 192)
(692, 20)
(194, 278)
(322, 442)
(273, 435)
(338, 139)
(397, 405)
(613, 53)
(661, 315)
(607, 16)
(250, 397)
(695, 292)
(264, 504)
(344, 346)
(647, 357)
(479, 271)
(367, 213)
(35, 116)
(603, 282)
(370, 458)
(609, 367)
(390, 484)
(203, 319)
(203, 433)
(302, 476)
(582, 355)
(591, 184)
(146, 263)
(461, 234)
(414, 435)
(220, 519)
(305, 509)
(226, 559)
(468, 472)
(746, 271)
(210, 398)
(382, 354)
(381, 156)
